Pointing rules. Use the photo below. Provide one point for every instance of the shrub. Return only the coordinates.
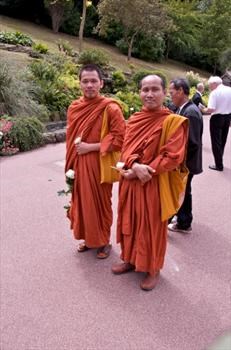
(40, 47)
(193, 78)
(56, 84)
(225, 60)
(16, 38)
(140, 74)
(119, 81)
(26, 133)
(6, 146)
(93, 56)
(19, 101)
(132, 102)
(65, 46)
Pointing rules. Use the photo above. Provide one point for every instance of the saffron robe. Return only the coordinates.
(140, 231)
(90, 212)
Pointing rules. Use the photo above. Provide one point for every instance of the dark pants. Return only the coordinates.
(184, 215)
(219, 129)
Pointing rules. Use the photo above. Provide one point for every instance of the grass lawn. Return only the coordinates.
(43, 34)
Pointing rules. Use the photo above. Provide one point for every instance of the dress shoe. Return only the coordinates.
(118, 269)
(150, 281)
(176, 228)
(214, 167)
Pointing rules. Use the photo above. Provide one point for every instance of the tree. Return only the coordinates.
(216, 32)
(147, 17)
(57, 10)
(183, 36)
(86, 4)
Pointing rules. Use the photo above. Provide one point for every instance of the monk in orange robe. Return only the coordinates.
(140, 231)
(90, 212)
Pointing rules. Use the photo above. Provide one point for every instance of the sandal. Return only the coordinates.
(104, 251)
(82, 248)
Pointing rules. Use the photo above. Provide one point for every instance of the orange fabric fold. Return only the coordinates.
(140, 231)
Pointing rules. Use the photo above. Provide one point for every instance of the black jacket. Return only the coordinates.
(197, 99)
(194, 151)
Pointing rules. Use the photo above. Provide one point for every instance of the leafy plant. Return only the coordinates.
(26, 133)
(15, 38)
(40, 47)
(93, 56)
(132, 102)
(119, 81)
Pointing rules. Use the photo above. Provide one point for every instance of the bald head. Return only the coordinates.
(154, 77)
(200, 87)
(152, 92)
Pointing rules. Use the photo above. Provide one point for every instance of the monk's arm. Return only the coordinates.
(171, 154)
(113, 141)
(84, 147)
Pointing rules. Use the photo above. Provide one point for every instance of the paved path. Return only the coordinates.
(55, 299)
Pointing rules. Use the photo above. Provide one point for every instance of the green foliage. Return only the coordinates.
(25, 133)
(17, 94)
(131, 102)
(15, 38)
(193, 78)
(119, 81)
(65, 46)
(95, 56)
(146, 17)
(216, 32)
(40, 47)
(225, 60)
(140, 74)
(56, 82)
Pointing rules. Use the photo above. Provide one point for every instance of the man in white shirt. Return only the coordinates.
(219, 106)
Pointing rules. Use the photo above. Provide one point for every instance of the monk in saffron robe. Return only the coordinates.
(90, 212)
(141, 232)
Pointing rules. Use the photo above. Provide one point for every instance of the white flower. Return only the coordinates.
(1, 135)
(70, 174)
(131, 109)
(120, 165)
(77, 140)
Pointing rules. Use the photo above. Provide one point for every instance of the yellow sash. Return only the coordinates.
(172, 183)
(108, 174)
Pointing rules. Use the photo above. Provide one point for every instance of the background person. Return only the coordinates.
(197, 97)
(179, 90)
(90, 212)
(219, 105)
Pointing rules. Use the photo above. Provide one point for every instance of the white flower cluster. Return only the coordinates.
(70, 174)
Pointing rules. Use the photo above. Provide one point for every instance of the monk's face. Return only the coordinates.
(152, 93)
(90, 84)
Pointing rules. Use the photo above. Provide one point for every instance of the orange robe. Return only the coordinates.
(91, 213)
(140, 231)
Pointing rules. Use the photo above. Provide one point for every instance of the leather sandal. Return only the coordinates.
(82, 248)
(118, 269)
(150, 281)
(104, 251)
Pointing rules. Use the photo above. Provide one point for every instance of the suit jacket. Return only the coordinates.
(194, 151)
(197, 99)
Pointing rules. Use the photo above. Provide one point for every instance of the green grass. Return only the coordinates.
(45, 35)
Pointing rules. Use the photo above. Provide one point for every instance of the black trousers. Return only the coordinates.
(184, 215)
(219, 129)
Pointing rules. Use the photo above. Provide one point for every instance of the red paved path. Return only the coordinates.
(55, 299)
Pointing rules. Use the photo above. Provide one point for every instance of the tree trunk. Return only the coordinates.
(130, 46)
(56, 12)
(82, 24)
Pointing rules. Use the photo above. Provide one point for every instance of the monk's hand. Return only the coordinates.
(83, 148)
(143, 171)
(128, 174)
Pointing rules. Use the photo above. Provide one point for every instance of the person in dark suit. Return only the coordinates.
(179, 90)
(197, 97)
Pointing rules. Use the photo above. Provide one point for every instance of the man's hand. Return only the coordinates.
(143, 172)
(84, 147)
